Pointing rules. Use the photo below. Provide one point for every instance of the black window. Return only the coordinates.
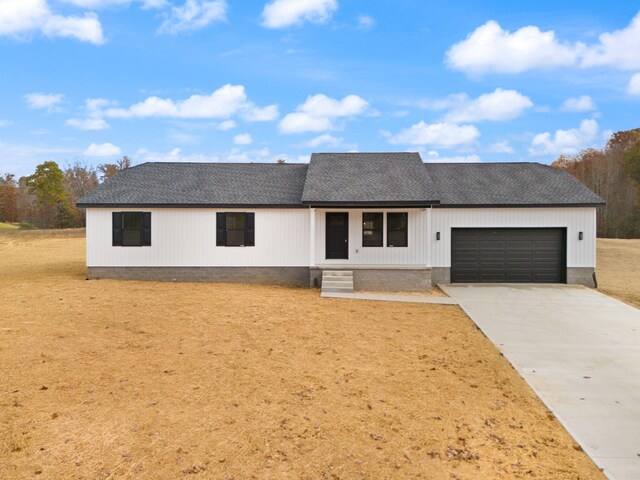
(372, 229)
(131, 229)
(397, 229)
(235, 229)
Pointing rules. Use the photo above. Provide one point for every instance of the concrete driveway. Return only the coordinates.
(580, 351)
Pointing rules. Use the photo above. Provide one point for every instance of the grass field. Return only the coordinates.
(7, 226)
(107, 379)
(618, 269)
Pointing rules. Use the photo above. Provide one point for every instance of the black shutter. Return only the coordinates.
(146, 229)
(249, 233)
(116, 229)
(221, 229)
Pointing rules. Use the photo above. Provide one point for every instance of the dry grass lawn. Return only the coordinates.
(109, 379)
(618, 269)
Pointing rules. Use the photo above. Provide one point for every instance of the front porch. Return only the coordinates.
(339, 243)
(383, 278)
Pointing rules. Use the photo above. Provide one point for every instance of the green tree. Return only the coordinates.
(47, 185)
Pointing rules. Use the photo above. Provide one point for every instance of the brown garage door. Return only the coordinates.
(508, 255)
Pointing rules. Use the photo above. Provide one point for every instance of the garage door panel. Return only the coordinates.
(518, 255)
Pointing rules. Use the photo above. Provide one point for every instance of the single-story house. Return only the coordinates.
(395, 222)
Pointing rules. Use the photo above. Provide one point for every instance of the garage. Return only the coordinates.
(508, 255)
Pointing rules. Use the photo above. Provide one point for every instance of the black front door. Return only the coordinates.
(337, 240)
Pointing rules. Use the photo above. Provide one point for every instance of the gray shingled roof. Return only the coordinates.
(202, 184)
(341, 179)
(507, 184)
(357, 178)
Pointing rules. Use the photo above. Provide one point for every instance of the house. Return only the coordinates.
(395, 222)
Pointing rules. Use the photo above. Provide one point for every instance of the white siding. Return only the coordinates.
(414, 254)
(187, 237)
(580, 253)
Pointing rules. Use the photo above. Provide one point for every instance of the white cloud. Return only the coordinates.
(174, 155)
(225, 102)
(618, 49)
(226, 125)
(102, 150)
(318, 112)
(94, 109)
(325, 139)
(583, 103)
(21, 18)
(434, 157)
(243, 139)
(95, 4)
(194, 15)
(366, 22)
(500, 105)
(439, 135)
(566, 141)
(257, 114)
(90, 124)
(501, 147)
(284, 13)
(44, 101)
(492, 49)
(300, 122)
(5, 123)
(634, 85)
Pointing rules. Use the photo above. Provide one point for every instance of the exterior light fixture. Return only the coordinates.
(438, 235)
(580, 236)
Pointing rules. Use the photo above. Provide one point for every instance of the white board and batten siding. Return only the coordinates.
(415, 254)
(580, 253)
(186, 237)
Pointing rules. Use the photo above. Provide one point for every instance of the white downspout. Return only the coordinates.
(312, 237)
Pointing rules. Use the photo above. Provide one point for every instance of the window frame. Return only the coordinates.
(222, 230)
(380, 230)
(405, 229)
(118, 229)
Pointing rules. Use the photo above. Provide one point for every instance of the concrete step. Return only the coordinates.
(326, 283)
(337, 281)
(336, 290)
(338, 273)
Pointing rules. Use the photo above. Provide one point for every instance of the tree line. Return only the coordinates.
(47, 199)
(613, 173)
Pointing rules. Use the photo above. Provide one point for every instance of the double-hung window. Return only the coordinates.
(397, 225)
(235, 229)
(131, 229)
(372, 229)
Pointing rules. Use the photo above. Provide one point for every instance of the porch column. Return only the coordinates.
(312, 237)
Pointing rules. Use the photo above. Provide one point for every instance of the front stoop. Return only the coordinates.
(337, 281)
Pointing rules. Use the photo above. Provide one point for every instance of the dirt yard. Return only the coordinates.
(618, 270)
(108, 379)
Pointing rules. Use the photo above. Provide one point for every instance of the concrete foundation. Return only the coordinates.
(441, 275)
(581, 276)
(290, 276)
(364, 279)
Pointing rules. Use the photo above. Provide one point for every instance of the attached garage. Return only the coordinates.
(508, 255)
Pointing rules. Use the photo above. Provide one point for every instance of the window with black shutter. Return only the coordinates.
(372, 229)
(131, 229)
(235, 229)
(397, 226)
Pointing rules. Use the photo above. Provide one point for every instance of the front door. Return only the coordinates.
(337, 240)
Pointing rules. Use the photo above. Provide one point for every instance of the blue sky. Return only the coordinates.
(216, 80)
